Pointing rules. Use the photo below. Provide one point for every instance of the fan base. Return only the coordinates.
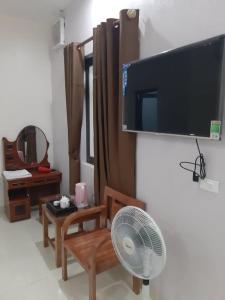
(145, 294)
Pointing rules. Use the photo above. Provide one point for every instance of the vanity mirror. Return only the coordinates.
(32, 145)
(28, 151)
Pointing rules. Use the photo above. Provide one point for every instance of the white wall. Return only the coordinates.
(191, 220)
(25, 80)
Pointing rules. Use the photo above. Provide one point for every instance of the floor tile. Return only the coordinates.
(28, 271)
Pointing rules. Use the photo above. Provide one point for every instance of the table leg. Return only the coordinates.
(58, 246)
(45, 228)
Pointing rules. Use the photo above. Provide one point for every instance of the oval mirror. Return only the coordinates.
(32, 145)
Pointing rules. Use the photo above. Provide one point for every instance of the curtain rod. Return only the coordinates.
(85, 42)
(117, 22)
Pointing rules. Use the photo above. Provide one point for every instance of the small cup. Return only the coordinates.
(56, 203)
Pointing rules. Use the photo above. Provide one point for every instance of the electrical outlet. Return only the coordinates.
(209, 185)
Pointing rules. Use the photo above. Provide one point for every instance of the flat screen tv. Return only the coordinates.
(176, 92)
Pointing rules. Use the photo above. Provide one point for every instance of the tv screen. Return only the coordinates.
(176, 92)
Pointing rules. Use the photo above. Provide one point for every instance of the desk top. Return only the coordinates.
(36, 174)
(36, 179)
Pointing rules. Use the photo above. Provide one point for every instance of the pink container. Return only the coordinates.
(81, 199)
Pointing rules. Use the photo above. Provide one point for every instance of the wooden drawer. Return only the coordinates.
(19, 209)
(38, 181)
(32, 181)
(19, 183)
(53, 179)
(45, 180)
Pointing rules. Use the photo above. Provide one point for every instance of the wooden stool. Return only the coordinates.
(44, 200)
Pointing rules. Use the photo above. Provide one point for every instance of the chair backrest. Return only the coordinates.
(115, 200)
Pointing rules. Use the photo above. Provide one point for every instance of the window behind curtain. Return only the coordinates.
(89, 108)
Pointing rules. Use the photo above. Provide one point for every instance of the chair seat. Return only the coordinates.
(81, 248)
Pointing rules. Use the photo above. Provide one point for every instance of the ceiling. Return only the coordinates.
(37, 10)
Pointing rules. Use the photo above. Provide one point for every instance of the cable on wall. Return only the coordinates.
(199, 165)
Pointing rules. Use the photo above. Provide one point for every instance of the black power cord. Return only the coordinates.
(199, 163)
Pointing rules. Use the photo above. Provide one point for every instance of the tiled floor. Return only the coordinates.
(27, 270)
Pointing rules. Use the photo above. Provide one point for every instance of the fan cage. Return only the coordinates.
(149, 252)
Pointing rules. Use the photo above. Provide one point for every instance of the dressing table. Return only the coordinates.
(29, 151)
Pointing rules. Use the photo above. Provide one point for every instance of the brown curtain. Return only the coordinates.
(74, 84)
(115, 151)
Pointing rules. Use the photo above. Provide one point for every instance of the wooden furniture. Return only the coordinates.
(18, 209)
(15, 161)
(57, 221)
(94, 251)
(21, 193)
(28, 151)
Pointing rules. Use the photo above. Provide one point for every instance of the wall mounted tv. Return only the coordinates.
(176, 92)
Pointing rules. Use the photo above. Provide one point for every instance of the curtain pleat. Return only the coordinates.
(114, 151)
(74, 85)
(128, 51)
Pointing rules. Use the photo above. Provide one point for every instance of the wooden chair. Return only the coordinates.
(94, 250)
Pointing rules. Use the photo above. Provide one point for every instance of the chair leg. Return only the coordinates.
(137, 284)
(64, 264)
(92, 283)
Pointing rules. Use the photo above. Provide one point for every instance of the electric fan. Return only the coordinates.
(139, 245)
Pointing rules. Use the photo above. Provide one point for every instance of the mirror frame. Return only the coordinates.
(12, 159)
(36, 164)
